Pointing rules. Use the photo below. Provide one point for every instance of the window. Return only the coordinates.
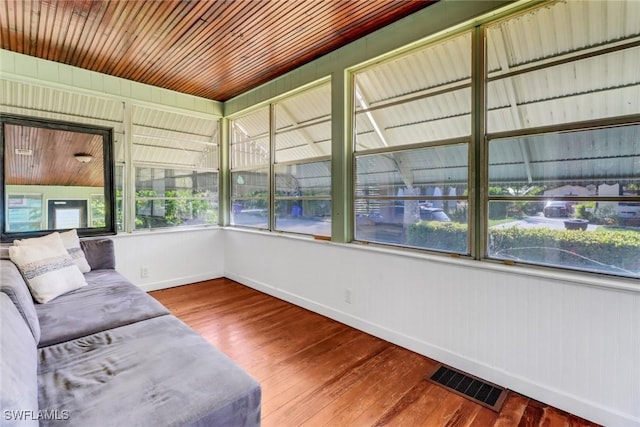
(173, 197)
(97, 210)
(414, 198)
(303, 162)
(250, 153)
(303, 198)
(281, 172)
(412, 136)
(567, 199)
(176, 169)
(541, 71)
(564, 139)
(119, 188)
(24, 212)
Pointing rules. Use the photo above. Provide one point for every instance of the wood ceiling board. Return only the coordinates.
(212, 49)
(52, 161)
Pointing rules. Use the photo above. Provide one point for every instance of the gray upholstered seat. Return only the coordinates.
(152, 373)
(109, 301)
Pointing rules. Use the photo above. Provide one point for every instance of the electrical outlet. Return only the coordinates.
(348, 294)
(144, 272)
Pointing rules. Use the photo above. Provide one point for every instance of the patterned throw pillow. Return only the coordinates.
(47, 267)
(71, 243)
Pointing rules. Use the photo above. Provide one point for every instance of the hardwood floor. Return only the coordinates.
(317, 372)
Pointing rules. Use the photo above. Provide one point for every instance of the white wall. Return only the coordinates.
(172, 258)
(569, 342)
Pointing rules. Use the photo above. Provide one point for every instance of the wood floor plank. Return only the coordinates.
(447, 411)
(318, 372)
(394, 415)
(382, 382)
(314, 409)
(532, 415)
(483, 418)
(512, 410)
(551, 417)
(313, 371)
(466, 414)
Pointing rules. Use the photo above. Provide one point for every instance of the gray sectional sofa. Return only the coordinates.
(108, 354)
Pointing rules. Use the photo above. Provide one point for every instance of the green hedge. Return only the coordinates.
(575, 248)
(607, 251)
(447, 236)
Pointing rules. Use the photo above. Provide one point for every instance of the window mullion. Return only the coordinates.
(224, 175)
(478, 174)
(272, 159)
(129, 184)
(342, 170)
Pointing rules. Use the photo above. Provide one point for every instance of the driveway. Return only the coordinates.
(539, 221)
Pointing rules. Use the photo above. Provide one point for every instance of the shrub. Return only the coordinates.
(611, 251)
(584, 210)
(608, 251)
(606, 215)
(459, 214)
(446, 236)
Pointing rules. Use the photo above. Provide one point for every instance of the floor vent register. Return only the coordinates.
(480, 391)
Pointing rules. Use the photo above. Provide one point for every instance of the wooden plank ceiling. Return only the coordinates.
(40, 156)
(213, 49)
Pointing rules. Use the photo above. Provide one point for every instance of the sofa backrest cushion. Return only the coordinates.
(13, 285)
(99, 253)
(4, 251)
(18, 364)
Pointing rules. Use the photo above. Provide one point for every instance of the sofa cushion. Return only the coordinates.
(14, 286)
(19, 368)
(155, 372)
(99, 253)
(47, 267)
(108, 301)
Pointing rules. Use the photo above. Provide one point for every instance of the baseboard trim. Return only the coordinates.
(178, 281)
(589, 410)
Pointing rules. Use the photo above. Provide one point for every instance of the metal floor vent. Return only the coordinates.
(480, 391)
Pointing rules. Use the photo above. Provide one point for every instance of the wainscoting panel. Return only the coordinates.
(170, 258)
(570, 344)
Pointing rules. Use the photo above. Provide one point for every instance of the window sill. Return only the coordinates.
(167, 230)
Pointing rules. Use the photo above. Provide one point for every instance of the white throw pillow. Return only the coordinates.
(71, 243)
(47, 267)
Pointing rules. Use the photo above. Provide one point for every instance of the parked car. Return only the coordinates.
(555, 209)
(433, 214)
(629, 214)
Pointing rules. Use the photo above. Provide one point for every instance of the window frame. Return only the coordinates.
(277, 198)
(130, 164)
(484, 78)
(357, 108)
(108, 174)
(165, 167)
(478, 198)
(466, 141)
(593, 125)
(257, 168)
(272, 198)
